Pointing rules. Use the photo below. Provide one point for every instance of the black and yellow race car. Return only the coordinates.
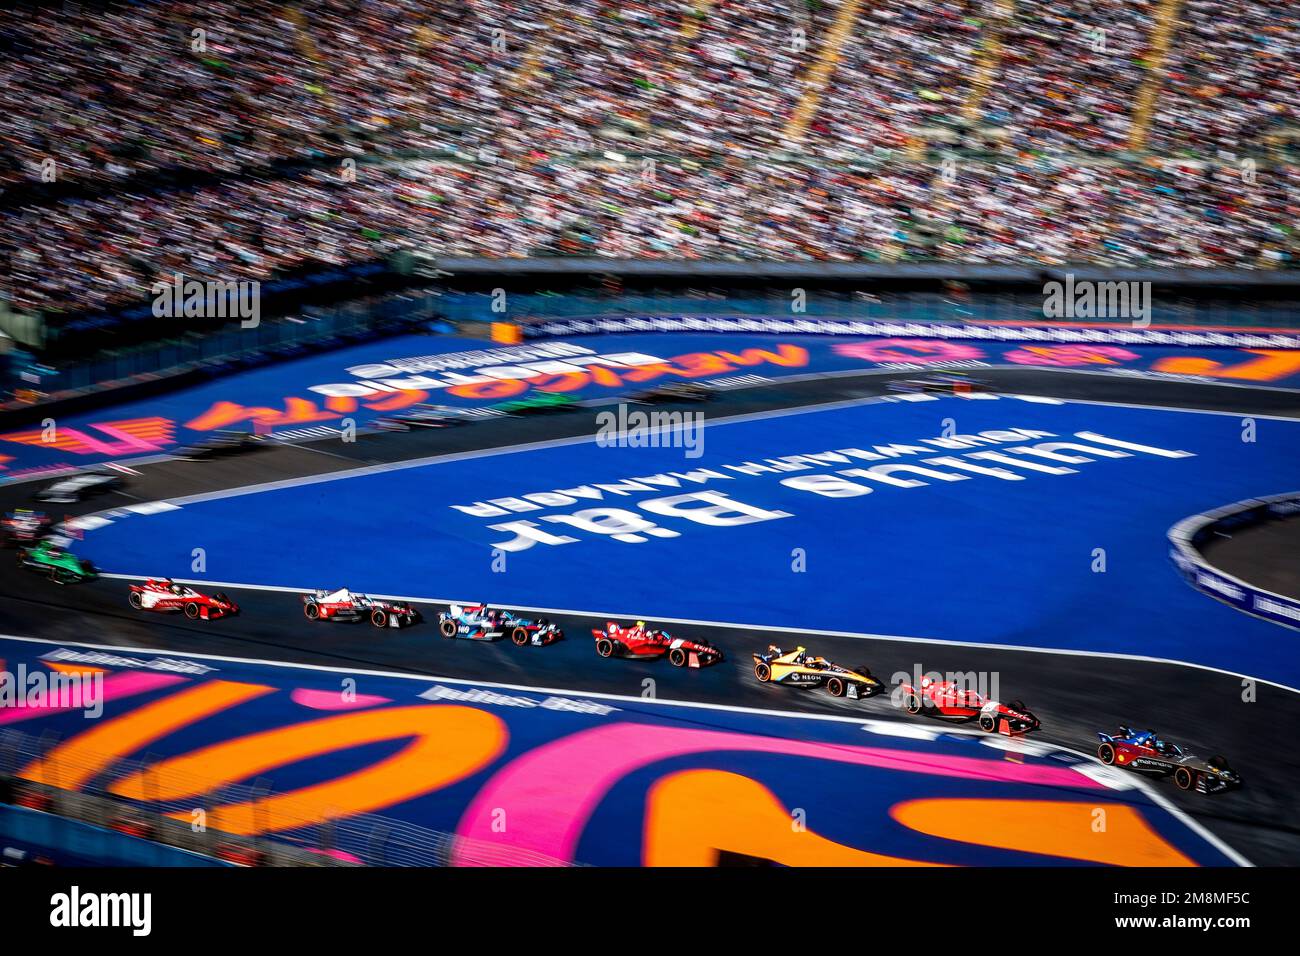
(798, 668)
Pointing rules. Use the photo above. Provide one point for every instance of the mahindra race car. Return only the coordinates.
(478, 622)
(25, 525)
(343, 605)
(643, 642)
(165, 595)
(1145, 752)
(953, 383)
(944, 698)
(798, 668)
(50, 558)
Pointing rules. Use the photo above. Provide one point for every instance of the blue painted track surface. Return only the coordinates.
(983, 560)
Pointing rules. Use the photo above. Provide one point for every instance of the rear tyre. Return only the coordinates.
(677, 657)
(191, 610)
(835, 687)
(762, 672)
(519, 636)
(1184, 779)
(1106, 754)
(605, 647)
(135, 600)
(379, 617)
(447, 628)
(312, 611)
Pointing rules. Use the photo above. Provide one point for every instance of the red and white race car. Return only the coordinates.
(945, 698)
(343, 605)
(24, 526)
(643, 642)
(166, 595)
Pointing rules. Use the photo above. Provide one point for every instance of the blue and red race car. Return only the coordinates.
(1146, 752)
(478, 622)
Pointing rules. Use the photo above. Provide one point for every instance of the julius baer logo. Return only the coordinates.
(75, 909)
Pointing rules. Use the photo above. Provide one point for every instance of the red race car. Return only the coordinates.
(343, 605)
(642, 642)
(944, 698)
(166, 595)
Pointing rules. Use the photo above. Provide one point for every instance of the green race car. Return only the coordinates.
(63, 567)
(537, 404)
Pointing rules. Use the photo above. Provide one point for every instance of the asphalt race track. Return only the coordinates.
(1074, 694)
(1267, 556)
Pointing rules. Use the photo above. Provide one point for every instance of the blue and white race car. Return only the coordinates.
(478, 622)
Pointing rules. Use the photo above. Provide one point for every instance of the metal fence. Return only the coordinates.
(37, 771)
(903, 307)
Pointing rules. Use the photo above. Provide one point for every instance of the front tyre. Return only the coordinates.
(605, 647)
(312, 611)
(762, 672)
(1184, 779)
(191, 610)
(1106, 754)
(835, 687)
(678, 657)
(135, 600)
(379, 617)
(447, 628)
(988, 722)
(519, 636)
(912, 704)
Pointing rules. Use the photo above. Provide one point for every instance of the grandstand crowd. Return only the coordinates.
(214, 138)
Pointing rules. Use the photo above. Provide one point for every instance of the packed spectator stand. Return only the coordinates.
(238, 141)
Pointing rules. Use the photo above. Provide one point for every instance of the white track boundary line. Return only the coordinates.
(864, 372)
(386, 467)
(778, 629)
(1135, 782)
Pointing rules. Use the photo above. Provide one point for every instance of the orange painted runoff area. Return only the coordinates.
(1270, 366)
(1108, 833)
(450, 743)
(693, 814)
(72, 764)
